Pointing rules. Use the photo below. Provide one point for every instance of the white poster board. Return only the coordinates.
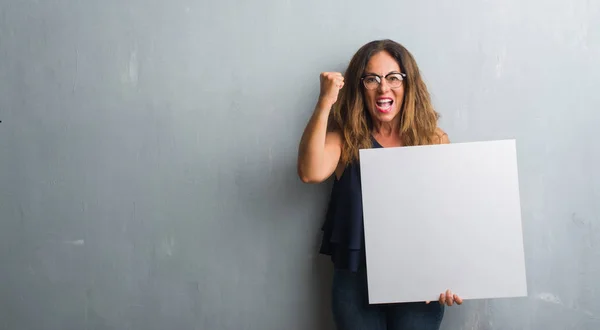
(442, 217)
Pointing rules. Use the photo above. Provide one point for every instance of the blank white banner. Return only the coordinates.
(443, 217)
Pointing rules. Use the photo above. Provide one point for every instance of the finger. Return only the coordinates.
(449, 297)
(442, 298)
(338, 83)
(458, 299)
(331, 74)
(427, 302)
(326, 76)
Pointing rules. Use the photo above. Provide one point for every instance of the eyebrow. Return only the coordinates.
(375, 74)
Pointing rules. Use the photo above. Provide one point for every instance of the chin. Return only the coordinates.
(385, 116)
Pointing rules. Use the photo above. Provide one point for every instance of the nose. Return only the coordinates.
(383, 86)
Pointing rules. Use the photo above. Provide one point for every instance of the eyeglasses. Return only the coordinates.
(394, 79)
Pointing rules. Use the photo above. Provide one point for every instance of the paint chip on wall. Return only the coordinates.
(77, 242)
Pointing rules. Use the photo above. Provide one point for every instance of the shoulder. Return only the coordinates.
(440, 137)
(334, 134)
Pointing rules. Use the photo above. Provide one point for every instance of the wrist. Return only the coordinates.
(324, 104)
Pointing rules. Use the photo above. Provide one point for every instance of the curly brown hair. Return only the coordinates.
(351, 118)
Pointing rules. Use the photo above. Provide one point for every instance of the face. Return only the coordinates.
(384, 101)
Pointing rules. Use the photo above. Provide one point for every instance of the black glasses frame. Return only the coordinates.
(380, 78)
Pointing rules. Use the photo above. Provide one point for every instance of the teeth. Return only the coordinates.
(384, 102)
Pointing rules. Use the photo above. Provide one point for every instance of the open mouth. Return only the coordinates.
(384, 104)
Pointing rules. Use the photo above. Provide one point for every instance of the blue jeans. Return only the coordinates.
(351, 309)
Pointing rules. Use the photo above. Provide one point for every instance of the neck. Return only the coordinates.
(387, 129)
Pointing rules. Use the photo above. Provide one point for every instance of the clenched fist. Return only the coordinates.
(331, 83)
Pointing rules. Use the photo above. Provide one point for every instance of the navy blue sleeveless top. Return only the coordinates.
(343, 231)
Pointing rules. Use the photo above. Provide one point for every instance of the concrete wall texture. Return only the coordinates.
(148, 149)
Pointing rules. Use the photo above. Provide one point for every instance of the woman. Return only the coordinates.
(380, 102)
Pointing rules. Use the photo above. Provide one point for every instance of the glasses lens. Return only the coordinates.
(394, 80)
(371, 82)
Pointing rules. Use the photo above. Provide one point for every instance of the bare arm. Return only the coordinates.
(319, 151)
